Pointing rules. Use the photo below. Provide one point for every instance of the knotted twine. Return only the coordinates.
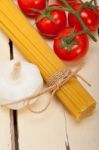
(54, 83)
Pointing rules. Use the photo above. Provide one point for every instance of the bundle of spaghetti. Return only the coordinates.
(31, 45)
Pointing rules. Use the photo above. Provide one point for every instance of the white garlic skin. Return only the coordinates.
(29, 82)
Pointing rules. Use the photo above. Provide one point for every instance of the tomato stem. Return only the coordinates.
(86, 30)
(46, 13)
(69, 41)
(76, 13)
(79, 33)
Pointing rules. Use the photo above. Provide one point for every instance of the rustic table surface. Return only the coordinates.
(51, 130)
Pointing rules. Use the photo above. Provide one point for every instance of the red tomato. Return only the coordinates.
(50, 27)
(27, 6)
(73, 51)
(90, 18)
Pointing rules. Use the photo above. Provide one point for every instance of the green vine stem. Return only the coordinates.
(68, 41)
(76, 13)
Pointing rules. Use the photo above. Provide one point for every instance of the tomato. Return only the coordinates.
(70, 50)
(52, 22)
(27, 6)
(90, 18)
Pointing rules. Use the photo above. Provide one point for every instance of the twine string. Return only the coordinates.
(54, 83)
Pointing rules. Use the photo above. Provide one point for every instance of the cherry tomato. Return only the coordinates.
(90, 18)
(52, 22)
(70, 50)
(27, 6)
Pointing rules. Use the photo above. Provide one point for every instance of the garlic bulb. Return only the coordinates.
(19, 80)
